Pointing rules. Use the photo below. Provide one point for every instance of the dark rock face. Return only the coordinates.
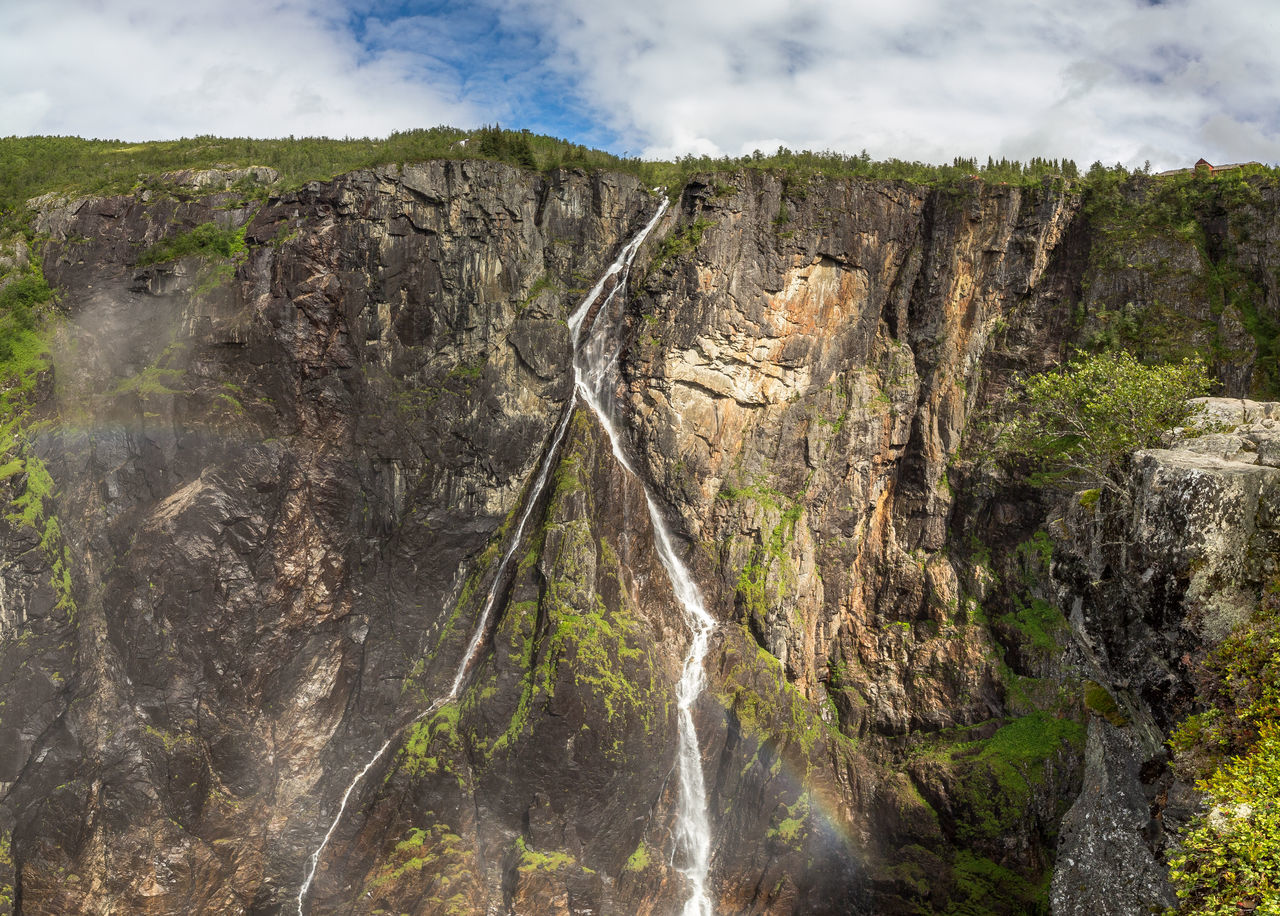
(800, 388)
(274, 484)
(283, 481)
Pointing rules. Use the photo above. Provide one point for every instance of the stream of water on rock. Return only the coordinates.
(594, 366)
(594, 371)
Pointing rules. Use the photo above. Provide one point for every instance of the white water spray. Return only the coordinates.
(593, 366)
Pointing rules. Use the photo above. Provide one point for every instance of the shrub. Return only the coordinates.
(1079, 425)
(1239, 688)
(1230, 859)
(207, 240)
(20, 296)
(1231, 854)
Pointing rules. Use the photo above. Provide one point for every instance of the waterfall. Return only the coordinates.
(594, 364)
(473, 647)
(593, 368)
(346, 796)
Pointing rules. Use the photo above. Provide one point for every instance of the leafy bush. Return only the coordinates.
(1231, 856)
(1239, 688)
(1232, 853)
(19, 297)
(207, 240)
(1080, 425)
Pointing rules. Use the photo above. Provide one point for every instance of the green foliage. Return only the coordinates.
(1080, 424)
(469, 371)
(793, 829)
(436, 848)
(771, 712)
(980, 883)
(31, 166)
(1041, 624)
(24, 358)
(208, 240)
(570, 633)
(1133, 218)
(1098, 699)
(640, 859)
(152, 381)
(1239, 686)
(22, 293)
(438, 734)
(996, 778)
(1000, 787)
(519, 625)
(800, 166)
(1036, 552)
(541, 285)
(532, 860)
(766, 576)
(509, 146)
(1003, 772)
(1231, 855)
(6, 872)
(681, 242)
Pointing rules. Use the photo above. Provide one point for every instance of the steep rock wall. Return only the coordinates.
(273, 479)
(282, 479)
(801, 381)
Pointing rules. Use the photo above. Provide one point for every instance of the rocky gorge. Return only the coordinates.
(260, 488)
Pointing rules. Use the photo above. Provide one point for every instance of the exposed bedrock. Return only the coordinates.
(283, 478)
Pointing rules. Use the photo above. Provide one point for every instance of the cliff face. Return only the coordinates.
(800, 384)
(1149, 590)
(263, 493)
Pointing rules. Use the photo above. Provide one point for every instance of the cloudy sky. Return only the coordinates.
(1115, 80)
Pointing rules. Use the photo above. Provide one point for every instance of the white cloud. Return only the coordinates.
(1115, 80)
(927, 79)
(154, 69)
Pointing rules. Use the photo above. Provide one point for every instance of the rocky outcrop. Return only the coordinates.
(280, 472)
(1151, 591)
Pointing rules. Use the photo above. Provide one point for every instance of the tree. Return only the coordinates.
(521, 152)
(1080, 425)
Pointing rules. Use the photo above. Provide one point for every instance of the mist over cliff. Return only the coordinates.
(309, 514)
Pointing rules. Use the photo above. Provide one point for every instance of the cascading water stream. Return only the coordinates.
(593, 366)
(473, 647)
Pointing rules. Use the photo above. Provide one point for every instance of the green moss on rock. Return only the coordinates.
(640, 859)
(1099, 700)
(531, 859)
(984, 888)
